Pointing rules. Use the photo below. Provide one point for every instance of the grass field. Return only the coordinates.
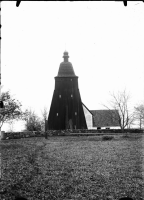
(72, 167)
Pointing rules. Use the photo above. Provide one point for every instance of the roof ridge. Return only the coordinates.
(87, 108)
(105, 110)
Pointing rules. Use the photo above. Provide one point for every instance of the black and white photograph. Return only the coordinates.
(72, 100)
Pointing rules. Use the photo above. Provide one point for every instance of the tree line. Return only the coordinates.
(12, 111)
(127, 117)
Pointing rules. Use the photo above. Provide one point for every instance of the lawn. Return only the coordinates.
(72, 167)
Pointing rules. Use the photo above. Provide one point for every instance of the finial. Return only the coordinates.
(65, 46)
(65, 56)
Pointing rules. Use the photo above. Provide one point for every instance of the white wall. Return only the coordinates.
(111, 127)
(88, 117)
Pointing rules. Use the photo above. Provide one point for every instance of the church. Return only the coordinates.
(67, 110)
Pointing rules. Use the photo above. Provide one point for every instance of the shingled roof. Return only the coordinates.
(66, 68)
(104, 118)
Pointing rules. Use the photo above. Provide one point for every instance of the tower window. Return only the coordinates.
(57, 114)
(71, 95)
(60, 96)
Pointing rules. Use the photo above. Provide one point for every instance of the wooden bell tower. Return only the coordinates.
(66, 111)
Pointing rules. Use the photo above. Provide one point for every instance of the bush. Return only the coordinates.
(125, 136)
(106, 137)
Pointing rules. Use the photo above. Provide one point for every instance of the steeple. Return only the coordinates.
(66, 68)
(66, 111)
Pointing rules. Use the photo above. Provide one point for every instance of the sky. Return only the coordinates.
(105, 42)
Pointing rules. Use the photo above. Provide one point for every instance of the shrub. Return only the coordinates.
(125, 136)
(106, 137)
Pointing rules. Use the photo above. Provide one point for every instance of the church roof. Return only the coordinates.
(104, 118)
(87, 109)
(66, 68)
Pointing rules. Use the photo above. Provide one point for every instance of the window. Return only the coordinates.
(75, 113)
(57, 114)
(71, 79)
(71, 95)
(59, 95)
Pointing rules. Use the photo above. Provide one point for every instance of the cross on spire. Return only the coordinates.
(65, 46)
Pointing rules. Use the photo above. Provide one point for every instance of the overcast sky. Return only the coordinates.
(105, 41)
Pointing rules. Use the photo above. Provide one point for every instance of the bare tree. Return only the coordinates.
(33, 122)
(44, 113)
(139, 115)
(131, 120)
(120, 103)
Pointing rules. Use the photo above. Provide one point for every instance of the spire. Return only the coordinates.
(65, 46)
(66, 68)
(65, 56)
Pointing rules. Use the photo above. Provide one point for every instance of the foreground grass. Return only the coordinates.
(72, 168)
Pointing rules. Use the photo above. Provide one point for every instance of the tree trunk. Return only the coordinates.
(140, 124)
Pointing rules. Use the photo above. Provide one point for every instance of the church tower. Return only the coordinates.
(66, 111)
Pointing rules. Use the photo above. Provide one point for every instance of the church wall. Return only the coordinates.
(88, 117)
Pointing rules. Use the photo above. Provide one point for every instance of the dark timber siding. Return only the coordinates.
(66, 110)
